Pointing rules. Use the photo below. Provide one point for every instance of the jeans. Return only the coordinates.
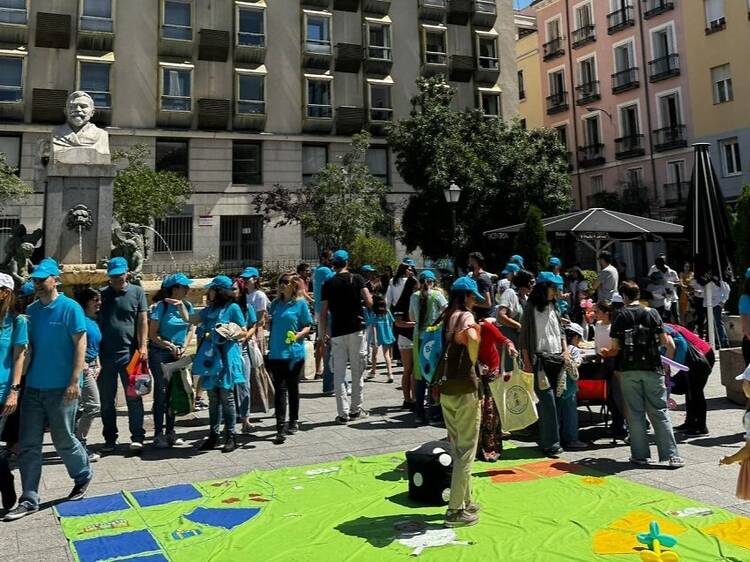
(558, 417)
(38, 406)
(285, 381)
(721, 330)
(463, 416)
(5, 473)
(221, 406)
(327, 370)
(112, 369)
(157, 356)
(352, 348)
(89, 402)
(645, 393)
(242, 390)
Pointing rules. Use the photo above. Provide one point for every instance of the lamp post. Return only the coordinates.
(452, 194)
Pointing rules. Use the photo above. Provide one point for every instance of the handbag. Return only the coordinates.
(515, 399)
(455, 372)
(139, 379)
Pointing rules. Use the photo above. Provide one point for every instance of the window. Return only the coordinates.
(434, 46)
(521, 86)
(676, 171)
(591, 130)
(584, 18)
(93, 79)
(597, 184)
(251, 97)
(715, 13)
(488, 53)
(247, 159)
(669, 110)
(721, 78)
(314, 159)
(319, 105)
(96, 15)
(175, 234)
(522, 122)
(241, 238)
(318, 34)
(11, 79)
(557, 82)
(13, 11)
(309, 248)
(8, 226)
(377, 162)
(730, 155)
(490, 103)
(10, 146)
(624, 57)
(172, 156)
(176, 88)
(587, 71)
(379, 41)
(251, 27)
(380, 102)
(662, 42)
(178, 17)
(562, 133)
(629, 126)
(553, 29)
(634, 178)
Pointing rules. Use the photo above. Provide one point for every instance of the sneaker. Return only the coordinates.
(136, 447)
(201, 404)
(676, 462)
(21, 510)
(360, 414)
(209, 443)
(473, 508)
(640, 462)
(93, 457)
(342, 420)
(280, 438)
(576, 446)
(79, 490)
(230, 444)
(390, 379)
(460, 518)
(160, 442)
(554, 452)
(370, 376)
(173, 440)
(109, 447)
(292, 427)
(247, 429)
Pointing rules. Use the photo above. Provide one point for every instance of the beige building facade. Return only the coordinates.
(241, 95)
(530, 100)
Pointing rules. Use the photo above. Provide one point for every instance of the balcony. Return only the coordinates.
(346, 5)
(590, 155)
(625, 80)
(250, 47)
(95, 34)
(670, 138)
(620, 19)
(584, 35)
(485, 13)
(664, 67)
(433, 10)
(213, 45)
(379, 119)
(461, 68)
(316, 54)
(348, 57)
(557, 103)
(676, 193)
(630, 146)
(249, 115)
(379, 7)
(459, 11)
(654, 8)
(553, 49)
(488, 71)
(378, 60)
(588, 92)
(349, 120)
(317, 118)
(434, 63)
(716, 25)
(14, 26)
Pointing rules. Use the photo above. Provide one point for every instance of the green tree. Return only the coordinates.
(532, 242)
(141, 194)
(12, 188)
(373, 250)
(742, 231)
(342, 202)
(500, 166)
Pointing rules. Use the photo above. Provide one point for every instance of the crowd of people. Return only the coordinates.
(61, 359)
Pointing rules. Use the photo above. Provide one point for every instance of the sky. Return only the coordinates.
(520, 4)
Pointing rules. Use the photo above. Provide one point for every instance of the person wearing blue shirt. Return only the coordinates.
(169, 335)
(222, 310)
(243, 389)
(13, 343)
(57, 331)
(91, 301)
(290, 324)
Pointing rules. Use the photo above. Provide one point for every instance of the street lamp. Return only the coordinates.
(607, 113)
(452, 194)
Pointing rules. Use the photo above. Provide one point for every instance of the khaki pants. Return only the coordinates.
(462, 415)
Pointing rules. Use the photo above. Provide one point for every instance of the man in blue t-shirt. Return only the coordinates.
(57, 333)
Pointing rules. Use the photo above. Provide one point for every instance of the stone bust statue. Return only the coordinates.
(79, 141)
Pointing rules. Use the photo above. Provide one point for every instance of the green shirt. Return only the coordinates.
(118, 319)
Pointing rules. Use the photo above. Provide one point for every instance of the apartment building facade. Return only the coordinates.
(241, 95)
(528, 60)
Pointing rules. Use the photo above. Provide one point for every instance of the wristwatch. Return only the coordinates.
(15, 387)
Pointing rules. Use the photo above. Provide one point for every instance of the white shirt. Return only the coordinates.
(608, 281)
(548, 335)
(697, 289)
(719, 295)
(670, 275)
(258, 301)
(601, 336)
(393, 293)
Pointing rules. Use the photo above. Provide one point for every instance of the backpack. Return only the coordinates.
(640, 345)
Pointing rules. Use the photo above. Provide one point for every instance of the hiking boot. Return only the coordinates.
(230, 444)
(160, 442)
(360, 414)
(79, 490)
(460, 518)
(210, 442)
(22, 510)
(292, 427)
(173, 440)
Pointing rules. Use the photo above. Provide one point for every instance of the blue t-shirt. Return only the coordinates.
(680, 344)
(322, 274)
(383, 324)
(12, 333)
(93, 339)
(51, 330)
(172, 327)
(252, 317)
(286, 317)
(745, 305)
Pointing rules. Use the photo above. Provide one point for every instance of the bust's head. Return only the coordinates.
(79, 109)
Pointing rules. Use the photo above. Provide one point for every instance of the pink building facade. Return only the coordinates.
(616, 91)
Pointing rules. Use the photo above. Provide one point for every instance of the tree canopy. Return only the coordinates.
(12, 188)
(532, 243)
(500, 166)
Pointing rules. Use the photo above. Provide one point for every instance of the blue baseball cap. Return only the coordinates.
(467, 284)
(409, 261)
(427, 274)
(367, 268)
(220, 282)
(249, 272)
(117, 266)
(340, 256)
(510, 268)
(555, 262)
(176, 279)
(26, 290)
(549, 277)
(518, 260)
(47, 268)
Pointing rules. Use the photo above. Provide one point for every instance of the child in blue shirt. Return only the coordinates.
(381, 320)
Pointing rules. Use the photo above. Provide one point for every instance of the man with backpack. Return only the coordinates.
(637, 333)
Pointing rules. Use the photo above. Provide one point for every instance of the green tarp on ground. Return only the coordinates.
(534, 510)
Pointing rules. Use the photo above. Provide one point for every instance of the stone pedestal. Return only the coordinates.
(732, 364)
(68, 185)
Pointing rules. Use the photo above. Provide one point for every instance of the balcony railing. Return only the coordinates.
(664, 67)
(669, 138)
(588, 92)
(625, 80)
(553, 48)
(591, 155)
(583, 36)
(557, 103)
(716, 25)
(620, 19)
(655, 7)
(629, 146)
(676, 193)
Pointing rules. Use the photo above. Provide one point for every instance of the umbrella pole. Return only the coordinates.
(707, 299)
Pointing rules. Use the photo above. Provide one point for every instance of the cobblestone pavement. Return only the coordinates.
(388, 429)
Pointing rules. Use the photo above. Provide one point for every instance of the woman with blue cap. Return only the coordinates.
(170, 333)
(258, 300)
(459, 396)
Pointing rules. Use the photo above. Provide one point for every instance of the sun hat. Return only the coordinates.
(427, 274)
(575, 328)
(220, 282)
(510, 268)
(46, 268)
(7, 281)
(176, 279)
(467, 284)
(117, 266)
(249, 272)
